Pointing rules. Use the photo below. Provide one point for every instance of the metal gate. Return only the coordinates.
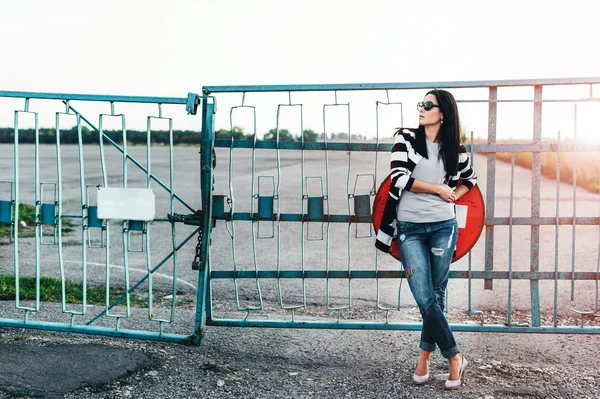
(284, 236)
(66, 243)
(277, 275)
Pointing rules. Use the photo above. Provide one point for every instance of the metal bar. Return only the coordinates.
(208, 293)
(372, 147)
(471, 311)
(491, 186)
(536, 167)
(123, 333)
(495, 221)
(232, 205)
(326, 195)
(544, 221)
(399, 326)
(378, 148)
(574, 200)
(598, 260)
(93, 97)
(556, 230)
(16, 223)
(328, 305)
(206, 184)
(254, 189)
(60, 215)
(394, 274)
(171, 212)
(282, 305)
(124, 234)
(510, 238)
(304, 205)
(573, 100)
(392, 86)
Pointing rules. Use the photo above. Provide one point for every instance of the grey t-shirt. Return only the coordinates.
(425, 207)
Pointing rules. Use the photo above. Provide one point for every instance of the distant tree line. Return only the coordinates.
(284, 135)
(88, 136)
(180, 137)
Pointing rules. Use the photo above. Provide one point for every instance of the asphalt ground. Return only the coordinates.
(338, 240)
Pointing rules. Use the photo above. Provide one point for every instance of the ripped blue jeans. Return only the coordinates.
(426, 250)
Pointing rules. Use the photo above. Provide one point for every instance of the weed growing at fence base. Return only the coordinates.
(51, 291)
(27, 215)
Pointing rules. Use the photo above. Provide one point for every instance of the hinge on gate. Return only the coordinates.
(193, 100)
(194, 219)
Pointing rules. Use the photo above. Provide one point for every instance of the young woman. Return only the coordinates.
(426, 166)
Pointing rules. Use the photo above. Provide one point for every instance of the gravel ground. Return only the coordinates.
(272, 363)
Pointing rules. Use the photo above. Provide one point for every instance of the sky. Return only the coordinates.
(159, 48)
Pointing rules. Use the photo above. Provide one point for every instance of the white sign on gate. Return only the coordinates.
(126, 203)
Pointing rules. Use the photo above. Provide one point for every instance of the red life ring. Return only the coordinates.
(467, 236)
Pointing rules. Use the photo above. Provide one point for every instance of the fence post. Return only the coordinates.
(206, 184)
(536, 174)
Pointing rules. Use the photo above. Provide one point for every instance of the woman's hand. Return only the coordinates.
(446, 193)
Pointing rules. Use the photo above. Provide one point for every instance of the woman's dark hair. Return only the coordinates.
(448, 135)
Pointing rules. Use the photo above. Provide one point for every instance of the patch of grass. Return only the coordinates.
(71, 243)
(97, 387)
(29, 394)
(51, 291)
(27, 215)
(184, 301)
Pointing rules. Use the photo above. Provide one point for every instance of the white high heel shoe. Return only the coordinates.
(455, 384)
(420, 379)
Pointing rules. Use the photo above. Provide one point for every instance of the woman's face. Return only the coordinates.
(433, 116)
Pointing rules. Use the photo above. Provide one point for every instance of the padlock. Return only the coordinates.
(196, 265)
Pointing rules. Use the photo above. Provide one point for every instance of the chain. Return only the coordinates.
(195, 219)
(178, 218)
(196, 264)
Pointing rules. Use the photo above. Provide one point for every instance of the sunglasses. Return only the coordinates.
(427, 105)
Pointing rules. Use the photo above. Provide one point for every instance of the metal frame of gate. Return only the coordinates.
(534, 275)
(50, 213)
(213, 209)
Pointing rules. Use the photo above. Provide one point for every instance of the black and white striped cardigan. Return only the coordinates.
(404, 160)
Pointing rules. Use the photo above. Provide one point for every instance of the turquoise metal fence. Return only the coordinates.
(48, 211)
(315, 209)
(273, 251)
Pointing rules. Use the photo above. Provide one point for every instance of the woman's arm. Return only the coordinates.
(466, 173)
(460, 191)
(402, 157)
(444, 191)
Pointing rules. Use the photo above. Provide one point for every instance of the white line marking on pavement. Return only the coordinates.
(179, 280)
